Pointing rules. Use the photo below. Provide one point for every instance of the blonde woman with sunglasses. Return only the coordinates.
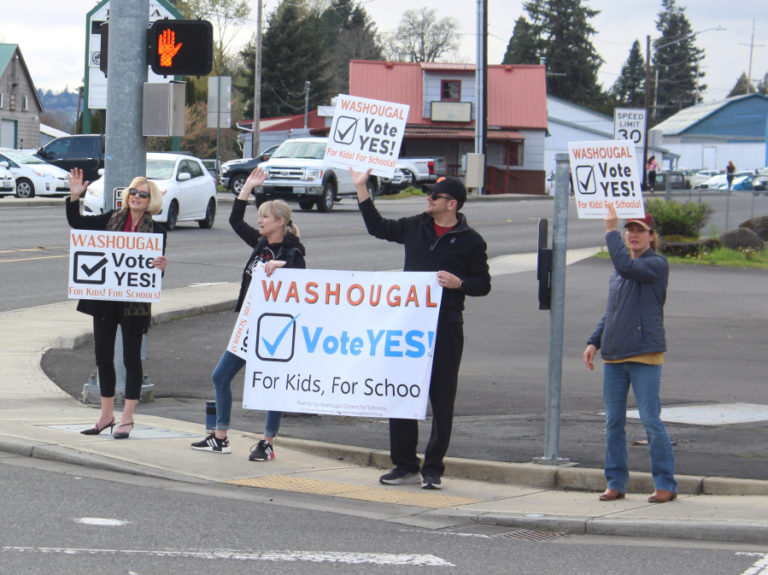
(141, 199)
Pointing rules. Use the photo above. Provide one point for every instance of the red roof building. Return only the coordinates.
(441, 119)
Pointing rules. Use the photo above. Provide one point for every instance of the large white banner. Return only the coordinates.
(341, 342)
(366, 134)
(107, 265)
(605, 172)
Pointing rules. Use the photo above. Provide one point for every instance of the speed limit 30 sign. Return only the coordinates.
(629, 124)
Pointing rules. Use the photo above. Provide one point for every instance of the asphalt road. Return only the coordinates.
(119, 523)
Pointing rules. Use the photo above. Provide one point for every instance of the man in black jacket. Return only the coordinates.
(438, 240)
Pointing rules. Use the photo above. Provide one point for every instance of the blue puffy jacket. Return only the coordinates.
(633, 322)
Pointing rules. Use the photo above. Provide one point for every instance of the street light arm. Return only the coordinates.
(690, 36)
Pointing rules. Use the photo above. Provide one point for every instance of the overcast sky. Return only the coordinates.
(51, 34)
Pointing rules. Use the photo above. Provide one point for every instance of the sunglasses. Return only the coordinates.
(435, 195)
(135, 192)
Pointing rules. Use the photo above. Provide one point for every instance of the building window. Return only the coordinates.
(24, 103)
(450, 90)
(2, 101)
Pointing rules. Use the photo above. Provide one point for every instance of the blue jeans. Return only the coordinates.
(226, 370)
(645, 381)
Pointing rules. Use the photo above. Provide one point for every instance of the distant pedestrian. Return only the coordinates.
(651, 168)
(730, 172)
(441, 241)
(275, 245)
(631, 340)
(141, 199)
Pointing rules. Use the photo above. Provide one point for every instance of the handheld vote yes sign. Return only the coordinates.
(118, 266)
(366, 134)
(602, 173)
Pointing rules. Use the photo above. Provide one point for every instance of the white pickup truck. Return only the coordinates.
(298, 172)
(413, 171)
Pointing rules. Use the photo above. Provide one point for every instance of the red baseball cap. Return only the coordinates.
(646, 222)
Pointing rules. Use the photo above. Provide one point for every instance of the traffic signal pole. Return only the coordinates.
(126, 149)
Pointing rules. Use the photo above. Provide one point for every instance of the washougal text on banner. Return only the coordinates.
(366, 134)
(605, 172)
(106, 265)
(341, 342)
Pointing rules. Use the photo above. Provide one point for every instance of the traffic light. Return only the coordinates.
(181, 47)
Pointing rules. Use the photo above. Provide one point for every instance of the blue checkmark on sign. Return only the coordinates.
(271, 342)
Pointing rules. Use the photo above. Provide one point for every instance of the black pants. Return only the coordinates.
(104, 333)
(404, 433)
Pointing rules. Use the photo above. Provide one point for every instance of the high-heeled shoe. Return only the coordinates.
(123, 434)
(96, 430)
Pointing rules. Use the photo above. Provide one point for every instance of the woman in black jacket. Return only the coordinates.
(275, 245)
(141, 199)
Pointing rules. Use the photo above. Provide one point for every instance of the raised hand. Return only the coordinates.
(256, 178)
(76, 184)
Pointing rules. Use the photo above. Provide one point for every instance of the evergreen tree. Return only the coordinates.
(564, 35)
(293, 52)
(762, 87)
(743, 86)
(675, 59)
(350, 34)
(523, 44)
(629, 89)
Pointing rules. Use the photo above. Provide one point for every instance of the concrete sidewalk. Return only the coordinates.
(38, 419)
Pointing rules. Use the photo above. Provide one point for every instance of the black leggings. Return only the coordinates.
(104, 333)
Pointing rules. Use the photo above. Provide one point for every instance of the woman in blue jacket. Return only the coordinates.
(631, 340)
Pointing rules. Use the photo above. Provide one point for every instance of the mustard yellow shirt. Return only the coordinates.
(656, 358)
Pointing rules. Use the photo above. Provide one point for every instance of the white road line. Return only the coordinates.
(759, 567)
(283, 556)
(101, 521)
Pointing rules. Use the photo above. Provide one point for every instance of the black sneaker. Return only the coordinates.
(431, 482)
(399, 476)
(262, 451)
(211, 443)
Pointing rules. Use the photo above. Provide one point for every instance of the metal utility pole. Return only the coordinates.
(647, 97)
(556, 316)
(126, 150)
(307, 86)
(481, 82)
(257, 85)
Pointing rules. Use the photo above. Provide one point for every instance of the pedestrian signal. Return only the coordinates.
(181, 47)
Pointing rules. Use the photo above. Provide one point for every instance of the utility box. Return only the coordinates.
(163, 113)
(475, 177)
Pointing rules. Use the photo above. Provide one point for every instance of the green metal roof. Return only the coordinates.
(6, 53)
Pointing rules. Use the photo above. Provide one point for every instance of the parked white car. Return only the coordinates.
(7, 181)
(699, 177)
(189, 191)
(34, 177)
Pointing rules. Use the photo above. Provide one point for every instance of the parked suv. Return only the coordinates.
(297, 171)
(85, 151)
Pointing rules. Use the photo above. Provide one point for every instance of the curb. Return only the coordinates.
(649, 528)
